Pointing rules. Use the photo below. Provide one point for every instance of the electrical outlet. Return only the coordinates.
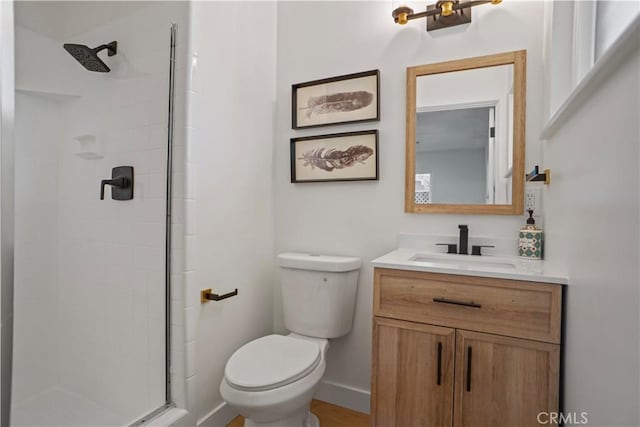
(529, 201)
(532, 201)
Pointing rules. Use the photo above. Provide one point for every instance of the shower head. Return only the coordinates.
(89, 58)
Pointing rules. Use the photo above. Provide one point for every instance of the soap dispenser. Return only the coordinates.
(530, 242)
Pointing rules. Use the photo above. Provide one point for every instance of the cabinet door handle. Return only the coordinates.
(454, 302)
(439, 374)
(469, 368)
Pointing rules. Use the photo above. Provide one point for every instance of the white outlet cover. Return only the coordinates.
(534, 193)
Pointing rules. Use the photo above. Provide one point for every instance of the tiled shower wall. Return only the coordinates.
(90, 318)
(36, 237)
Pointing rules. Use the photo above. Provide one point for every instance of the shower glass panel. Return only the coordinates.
(89, 291)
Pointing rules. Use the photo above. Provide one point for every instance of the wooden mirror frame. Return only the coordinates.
(519, 60)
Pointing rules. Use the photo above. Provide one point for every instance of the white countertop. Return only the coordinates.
(501, 267)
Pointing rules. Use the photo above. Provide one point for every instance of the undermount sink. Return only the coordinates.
(419, 253)
(462, 261)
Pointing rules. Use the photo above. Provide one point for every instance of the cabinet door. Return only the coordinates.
(412, 380)
(504, 381)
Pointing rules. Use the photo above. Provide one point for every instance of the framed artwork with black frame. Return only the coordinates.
(344, 99)
(349, 156)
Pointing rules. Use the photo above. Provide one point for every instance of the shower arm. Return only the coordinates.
(112, 47)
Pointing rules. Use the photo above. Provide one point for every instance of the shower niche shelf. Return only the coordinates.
(88, 147)
(48, 94)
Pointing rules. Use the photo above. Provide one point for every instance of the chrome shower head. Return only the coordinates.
(89, 58)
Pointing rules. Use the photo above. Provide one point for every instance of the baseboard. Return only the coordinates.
(222, 415)
(338, 394)
(345, 396)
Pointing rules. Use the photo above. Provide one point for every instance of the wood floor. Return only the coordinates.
(329, 416)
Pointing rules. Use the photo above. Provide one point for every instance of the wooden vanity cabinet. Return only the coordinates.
(442, 354)
(510, 382)
(413, 373)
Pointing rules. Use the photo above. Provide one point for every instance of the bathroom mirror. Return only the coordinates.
(465, 136)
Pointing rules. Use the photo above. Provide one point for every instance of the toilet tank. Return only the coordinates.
(318, 293)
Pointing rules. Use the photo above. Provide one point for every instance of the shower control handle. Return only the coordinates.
(121, 183)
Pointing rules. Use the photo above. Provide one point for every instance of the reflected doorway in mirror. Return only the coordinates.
(458, 145)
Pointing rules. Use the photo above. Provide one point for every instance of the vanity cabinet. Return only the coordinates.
(451, 350)
(503, 381)
(413, 373)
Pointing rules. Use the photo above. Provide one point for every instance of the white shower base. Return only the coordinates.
(57, 407)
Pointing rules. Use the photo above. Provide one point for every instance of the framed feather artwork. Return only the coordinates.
(351, 156)
(343, 99)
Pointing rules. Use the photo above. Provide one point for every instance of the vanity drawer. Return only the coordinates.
(514, 308)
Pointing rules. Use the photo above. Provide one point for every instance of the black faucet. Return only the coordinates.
(463, 247)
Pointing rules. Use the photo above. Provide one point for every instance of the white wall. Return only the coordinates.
(591, 218)
(321, 39)
(41, 66)
(36, 243)
(464, 87)
(229, 241)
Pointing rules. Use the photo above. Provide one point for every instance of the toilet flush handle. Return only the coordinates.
(207, 295)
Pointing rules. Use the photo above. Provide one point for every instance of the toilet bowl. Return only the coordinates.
(271, 381)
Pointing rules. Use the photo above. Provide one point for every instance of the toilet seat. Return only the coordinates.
(270, 362)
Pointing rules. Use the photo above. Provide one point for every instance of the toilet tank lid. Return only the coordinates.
(314, 262)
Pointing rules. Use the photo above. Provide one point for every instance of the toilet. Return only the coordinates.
(271, 380)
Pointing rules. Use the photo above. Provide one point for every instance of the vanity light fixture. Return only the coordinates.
(442, 14)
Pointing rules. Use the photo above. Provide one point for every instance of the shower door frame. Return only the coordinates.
(168, 226)
(7, 111)
(7, 206)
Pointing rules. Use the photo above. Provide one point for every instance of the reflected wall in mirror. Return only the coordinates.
(465, 136)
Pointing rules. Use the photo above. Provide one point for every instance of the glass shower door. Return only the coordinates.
(89, 289)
